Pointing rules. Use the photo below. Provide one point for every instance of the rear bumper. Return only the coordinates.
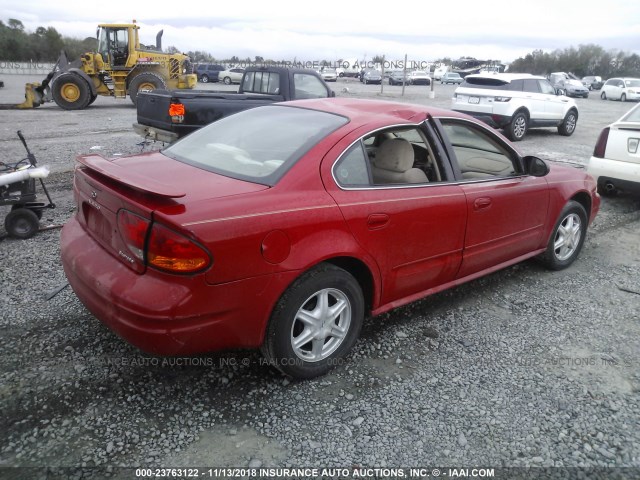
(154, 133)
(623, 175)
(168, 314)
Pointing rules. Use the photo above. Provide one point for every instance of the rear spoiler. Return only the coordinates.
(132, 180)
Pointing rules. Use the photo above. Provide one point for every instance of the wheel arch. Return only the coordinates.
(86, 77)
(584, 199)
(363, 275)
(524, 110)
(139, 70)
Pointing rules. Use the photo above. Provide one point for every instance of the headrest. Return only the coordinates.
(395, 154)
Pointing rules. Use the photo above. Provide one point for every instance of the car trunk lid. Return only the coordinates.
(141, 186)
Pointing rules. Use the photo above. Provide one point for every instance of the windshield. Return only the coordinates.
(258, 145)
(577, 83)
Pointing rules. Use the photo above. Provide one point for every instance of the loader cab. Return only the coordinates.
(114, 45)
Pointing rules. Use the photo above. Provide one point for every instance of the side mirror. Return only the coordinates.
(534, 166)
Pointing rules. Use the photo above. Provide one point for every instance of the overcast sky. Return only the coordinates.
(331, 29)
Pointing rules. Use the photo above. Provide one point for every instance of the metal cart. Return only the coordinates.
(18, 189)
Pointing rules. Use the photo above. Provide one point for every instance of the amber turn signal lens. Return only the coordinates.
(176, 109)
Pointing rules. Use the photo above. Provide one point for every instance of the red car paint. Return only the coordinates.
(401, 243)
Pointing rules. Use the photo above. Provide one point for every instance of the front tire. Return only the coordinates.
(145, 82)
(567, 238)
(71, 92)
(568, 125)
(603, 96)
(315, 323)
(623, 97)
(205, 79)
(518, 127)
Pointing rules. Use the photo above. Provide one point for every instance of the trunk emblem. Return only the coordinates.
(94, 194)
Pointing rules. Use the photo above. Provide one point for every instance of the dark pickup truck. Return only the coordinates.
(165, 115)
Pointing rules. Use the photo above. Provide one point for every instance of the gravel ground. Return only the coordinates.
(524, 367)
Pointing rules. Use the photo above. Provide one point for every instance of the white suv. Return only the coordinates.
(515, 102)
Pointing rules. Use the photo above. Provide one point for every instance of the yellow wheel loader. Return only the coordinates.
(120, 67)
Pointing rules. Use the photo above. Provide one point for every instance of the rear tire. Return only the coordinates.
(315, 323)
(227, 80)
(568, 125)
(518, 127)
(71, 92)
(21, 223)
(567, 238)
(145, 82)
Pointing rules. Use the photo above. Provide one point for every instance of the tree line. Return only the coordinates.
(585, 60)
(45, 44)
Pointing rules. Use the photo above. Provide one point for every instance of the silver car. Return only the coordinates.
(232, 75)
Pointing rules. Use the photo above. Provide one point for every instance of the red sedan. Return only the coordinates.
(283, 227)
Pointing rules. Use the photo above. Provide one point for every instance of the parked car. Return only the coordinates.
(592, 82)
(565, 85)
(451, 77)
(233, 75)
(615, 163)
(573, 88)
(622, 89)
(440, 71)
(329, 74)
(515, 102)
(371, 76)
(272, 228)
(208, 72)
(397, 77)
(419, 77)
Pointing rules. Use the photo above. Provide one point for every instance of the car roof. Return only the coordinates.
(360, 111)
(506, 77)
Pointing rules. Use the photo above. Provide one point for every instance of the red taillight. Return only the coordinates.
(601, 144)
(160, 247)
(133, 230)
(172, 252)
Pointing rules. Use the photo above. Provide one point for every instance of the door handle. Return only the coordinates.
(482, 203)
(377, 220)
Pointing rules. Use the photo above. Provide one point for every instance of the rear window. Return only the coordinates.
(261, 82)
(632, 116)
(258, 145)
(488, 83)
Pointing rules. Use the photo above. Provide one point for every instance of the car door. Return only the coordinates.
(554, 105)
(506, 209)
(415, 232)
(614, 92)
(535, 98)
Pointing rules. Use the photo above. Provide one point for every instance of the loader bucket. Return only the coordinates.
(33, 97)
